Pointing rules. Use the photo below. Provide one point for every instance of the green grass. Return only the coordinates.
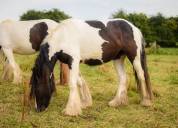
(163, 51)
(102, 82)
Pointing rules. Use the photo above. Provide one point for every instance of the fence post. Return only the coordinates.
(64, 74)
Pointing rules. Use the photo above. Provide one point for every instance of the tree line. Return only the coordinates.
(163, 30)
(54, 14)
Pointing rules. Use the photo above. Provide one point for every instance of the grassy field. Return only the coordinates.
(163, 67)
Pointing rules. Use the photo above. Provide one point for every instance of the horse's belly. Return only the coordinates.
(91, 50)
(18, 41)
(23, 49)
(92, 47)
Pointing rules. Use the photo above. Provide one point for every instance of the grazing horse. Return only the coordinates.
(21, 37)
(93, 43)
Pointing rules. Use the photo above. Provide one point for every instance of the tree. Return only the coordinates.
(120, 14)
(174, 25)
(53, 14)
(164, 30)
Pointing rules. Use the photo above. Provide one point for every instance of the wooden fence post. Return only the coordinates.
(64, 74)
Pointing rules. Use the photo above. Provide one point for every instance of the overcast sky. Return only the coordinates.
(88, 9)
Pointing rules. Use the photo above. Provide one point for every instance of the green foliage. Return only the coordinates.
(164, 29)
(156, 28)
(53, 14)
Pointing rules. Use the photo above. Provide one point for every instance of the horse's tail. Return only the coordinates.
(145, 69)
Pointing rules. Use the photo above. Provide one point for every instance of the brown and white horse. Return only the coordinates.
(93, 43)
(21, 37)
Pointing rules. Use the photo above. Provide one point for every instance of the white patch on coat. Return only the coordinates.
(75, 37)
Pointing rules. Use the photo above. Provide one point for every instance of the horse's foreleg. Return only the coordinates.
(86, 98)
(146, 101)
(11, 66)
(121, 96)
(73, 106)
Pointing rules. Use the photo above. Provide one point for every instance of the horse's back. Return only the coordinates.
(16, 34)
(103, 40)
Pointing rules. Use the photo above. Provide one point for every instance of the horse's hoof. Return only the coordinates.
(118, 102)
(113, 103)
(146, 102)
(72, 112)
(86, 104)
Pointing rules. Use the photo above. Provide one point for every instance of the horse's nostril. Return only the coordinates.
(40, 109)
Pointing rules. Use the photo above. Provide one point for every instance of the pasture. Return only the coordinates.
(163, 68)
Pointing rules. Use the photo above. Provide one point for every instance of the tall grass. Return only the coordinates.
(103, 83)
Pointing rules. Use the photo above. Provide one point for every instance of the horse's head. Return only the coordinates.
(42, 79)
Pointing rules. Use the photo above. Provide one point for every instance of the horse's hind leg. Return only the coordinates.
(146, 98)
(6, 74)
(86, 98)
(7, 71)
(12, 66)
(121, 96)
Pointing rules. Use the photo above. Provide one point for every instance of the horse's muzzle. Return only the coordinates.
(41, 108)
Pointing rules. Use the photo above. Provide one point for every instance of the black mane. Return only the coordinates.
(38, 68)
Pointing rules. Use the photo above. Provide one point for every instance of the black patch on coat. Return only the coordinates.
(119, 39)
(37, 34)
(65, 58)
(93, 62)
(0, 47)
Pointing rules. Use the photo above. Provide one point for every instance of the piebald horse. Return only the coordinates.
(93, 43)
(21, 37)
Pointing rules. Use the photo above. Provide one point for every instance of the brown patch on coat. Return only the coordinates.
(37, 34)
(119, 39)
